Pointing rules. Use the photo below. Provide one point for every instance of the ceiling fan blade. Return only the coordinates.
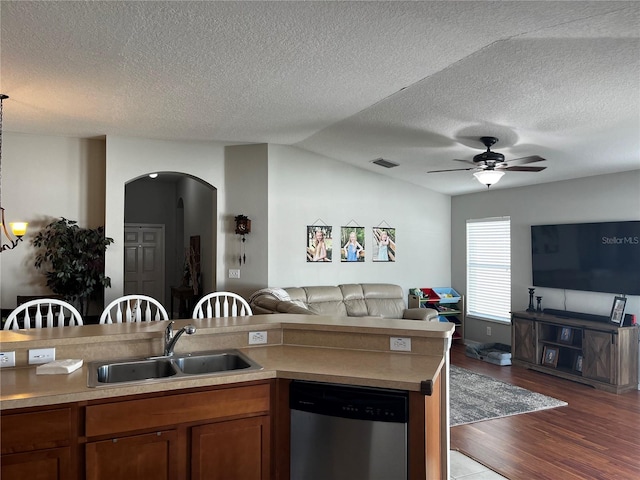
(465, 161)
(525, 160)
(524, 169)
(451, 170)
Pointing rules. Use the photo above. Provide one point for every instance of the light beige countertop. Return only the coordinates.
(339, 350)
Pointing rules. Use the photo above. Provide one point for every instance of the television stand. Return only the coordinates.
(604, 356)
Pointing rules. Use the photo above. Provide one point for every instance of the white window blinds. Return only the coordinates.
(489, 268)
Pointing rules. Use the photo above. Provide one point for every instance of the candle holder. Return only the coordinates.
(531, 308)
(539, 308)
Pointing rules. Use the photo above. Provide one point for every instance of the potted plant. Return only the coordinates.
(73, 260)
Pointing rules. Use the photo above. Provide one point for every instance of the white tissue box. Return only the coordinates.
(58, 367)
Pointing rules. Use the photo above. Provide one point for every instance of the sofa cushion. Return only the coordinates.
(325, 301)
(297, 293)
(354, 300)
(383, 300)
(266, 304)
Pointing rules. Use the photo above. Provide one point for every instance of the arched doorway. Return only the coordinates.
(186, 206)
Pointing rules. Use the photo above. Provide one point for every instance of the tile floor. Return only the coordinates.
(465, 468)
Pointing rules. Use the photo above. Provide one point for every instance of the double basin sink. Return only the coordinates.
(146, 370)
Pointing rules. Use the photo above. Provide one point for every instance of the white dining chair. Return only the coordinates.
(43, 313)
(133, 308)
(221, 304)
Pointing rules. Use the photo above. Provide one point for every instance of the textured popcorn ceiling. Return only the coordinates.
(412, 82)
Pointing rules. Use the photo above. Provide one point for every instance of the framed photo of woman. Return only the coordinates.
(384, 244)
(319, 243)
(352, 244)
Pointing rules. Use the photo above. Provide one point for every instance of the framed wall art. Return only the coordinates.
(352, 244)
(319, 243)
(617, 310)
(384, 244)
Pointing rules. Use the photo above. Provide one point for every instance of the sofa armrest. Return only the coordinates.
(426, 314)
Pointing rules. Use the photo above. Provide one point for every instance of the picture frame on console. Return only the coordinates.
(565, 335)
(617, 310)
(550, 356)
(578, 365)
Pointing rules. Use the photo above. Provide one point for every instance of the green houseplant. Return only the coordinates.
(73, 260)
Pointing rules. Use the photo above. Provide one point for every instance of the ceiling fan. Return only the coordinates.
(490, 166)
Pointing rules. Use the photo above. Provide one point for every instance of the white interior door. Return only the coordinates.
(144, 260)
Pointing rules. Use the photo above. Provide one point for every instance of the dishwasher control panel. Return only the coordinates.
(364, 403)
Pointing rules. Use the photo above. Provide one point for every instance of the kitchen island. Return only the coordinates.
(180, 417)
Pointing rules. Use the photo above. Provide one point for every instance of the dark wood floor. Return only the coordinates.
(597, 436)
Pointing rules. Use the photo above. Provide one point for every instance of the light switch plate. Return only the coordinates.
(234, 273)
(41, 355)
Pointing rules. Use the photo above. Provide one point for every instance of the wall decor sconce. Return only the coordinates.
(18, 229)
(243, 227)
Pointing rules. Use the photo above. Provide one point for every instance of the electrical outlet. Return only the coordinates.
(7, 359)
(400, 344)
(488, 331)
(234, 273)
(41, 355)
(257, 338)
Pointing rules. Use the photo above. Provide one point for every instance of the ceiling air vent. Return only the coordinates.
(385, 163)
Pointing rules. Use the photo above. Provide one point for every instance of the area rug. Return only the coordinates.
(474, 397)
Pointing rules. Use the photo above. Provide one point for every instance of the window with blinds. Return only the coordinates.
(489, 268)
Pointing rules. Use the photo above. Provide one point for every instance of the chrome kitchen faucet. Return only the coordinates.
(170, 339)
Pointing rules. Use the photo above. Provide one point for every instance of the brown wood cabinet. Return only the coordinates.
(235, 449)
(602, 355)
(51, 464)
(152, 455)
(39, 444)
(222, 433)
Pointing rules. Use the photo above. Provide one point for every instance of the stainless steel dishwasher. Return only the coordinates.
(347, 433)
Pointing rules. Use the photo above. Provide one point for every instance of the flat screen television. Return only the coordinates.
(594, 257)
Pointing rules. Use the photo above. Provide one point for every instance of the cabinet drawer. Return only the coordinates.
(22, 432)
(132, 415)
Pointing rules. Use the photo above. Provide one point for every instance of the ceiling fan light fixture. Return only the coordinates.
(488, 177)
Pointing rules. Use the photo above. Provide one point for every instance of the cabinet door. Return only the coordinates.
(232, 450)
(151, 455)
(50, 464)
(598, 351)
(524, 340)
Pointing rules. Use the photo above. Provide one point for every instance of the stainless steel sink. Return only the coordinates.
(212, 363)
(135, 371)
(168, 368)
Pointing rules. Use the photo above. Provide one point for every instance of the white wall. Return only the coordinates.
(592, 199)
(200, 218)
(305, 187)
(282, 189)
(45, 178)
(131, 158)
(247, 169)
